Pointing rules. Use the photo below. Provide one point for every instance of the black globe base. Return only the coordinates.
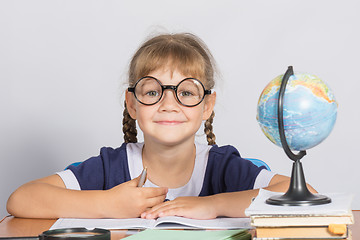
(285, 200)
(298, 194)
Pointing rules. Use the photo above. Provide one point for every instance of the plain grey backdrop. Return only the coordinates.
(63, 69)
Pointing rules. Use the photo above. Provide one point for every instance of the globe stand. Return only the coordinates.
(298, 194)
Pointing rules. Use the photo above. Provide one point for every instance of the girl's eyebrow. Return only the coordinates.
(167, 84)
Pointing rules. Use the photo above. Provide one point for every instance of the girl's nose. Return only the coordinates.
(169, 101)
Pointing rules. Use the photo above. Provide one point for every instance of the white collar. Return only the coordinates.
(191, 188)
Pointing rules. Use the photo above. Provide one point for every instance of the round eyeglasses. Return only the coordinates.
(149, 91)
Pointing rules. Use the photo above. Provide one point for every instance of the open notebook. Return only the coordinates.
(170, 222)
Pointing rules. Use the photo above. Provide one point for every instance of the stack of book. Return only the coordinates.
(327, 221)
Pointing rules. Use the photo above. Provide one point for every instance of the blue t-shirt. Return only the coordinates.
(216, 170)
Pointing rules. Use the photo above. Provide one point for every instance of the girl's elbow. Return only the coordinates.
(16, 204)
(12, 206)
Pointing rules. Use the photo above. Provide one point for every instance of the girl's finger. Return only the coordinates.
(154, 191)
(157, 210)
(176, 211)
(151, 202)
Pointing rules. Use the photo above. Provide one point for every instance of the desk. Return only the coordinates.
(22, 227)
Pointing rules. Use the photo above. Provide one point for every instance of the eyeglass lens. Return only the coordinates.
(189, 92)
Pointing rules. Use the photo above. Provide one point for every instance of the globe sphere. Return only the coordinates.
(309, 111)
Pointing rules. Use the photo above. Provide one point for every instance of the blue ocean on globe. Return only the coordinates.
(309, 111)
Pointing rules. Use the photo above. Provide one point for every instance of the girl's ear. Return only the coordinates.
(209, 105)
(130, 104)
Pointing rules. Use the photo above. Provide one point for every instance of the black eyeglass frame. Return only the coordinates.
(173, 87)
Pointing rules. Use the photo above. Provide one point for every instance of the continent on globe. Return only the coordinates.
(309, 111)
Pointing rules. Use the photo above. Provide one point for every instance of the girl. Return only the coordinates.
(169, 95)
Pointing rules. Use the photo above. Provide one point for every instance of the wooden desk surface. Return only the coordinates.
(22, 227)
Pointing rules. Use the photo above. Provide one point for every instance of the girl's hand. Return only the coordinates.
(190, 207)
(126, 200)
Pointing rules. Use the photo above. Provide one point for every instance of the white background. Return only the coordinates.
(63, 67)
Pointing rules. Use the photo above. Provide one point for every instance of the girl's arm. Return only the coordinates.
(224, 204)
(234, 204)
(48, 198)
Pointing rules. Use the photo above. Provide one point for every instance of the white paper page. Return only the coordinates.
(130, 223)
(340, 205)
(164, 223)
(174, 222)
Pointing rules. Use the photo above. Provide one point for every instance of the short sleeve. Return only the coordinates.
(263, 179)
(227, 171)
(69, 179)
(240, 174)
(105, 171)
(90, 173)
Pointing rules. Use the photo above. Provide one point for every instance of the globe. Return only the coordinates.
(309, 111)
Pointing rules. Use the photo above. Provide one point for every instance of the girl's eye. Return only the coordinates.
(152, 93)
(186, 94)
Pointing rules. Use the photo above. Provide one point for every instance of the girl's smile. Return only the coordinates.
(169, 122)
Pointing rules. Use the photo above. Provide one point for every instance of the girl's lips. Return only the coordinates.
(169, 122)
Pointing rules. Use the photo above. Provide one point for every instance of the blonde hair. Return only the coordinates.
(183, 52)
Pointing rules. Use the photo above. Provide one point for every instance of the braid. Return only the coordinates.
(210, 136)
(129, 127)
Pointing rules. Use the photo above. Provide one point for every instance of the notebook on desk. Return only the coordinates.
(169, 222)
(265, 215)
(340, 205)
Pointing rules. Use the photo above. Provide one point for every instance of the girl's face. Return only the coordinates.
(168, 122)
